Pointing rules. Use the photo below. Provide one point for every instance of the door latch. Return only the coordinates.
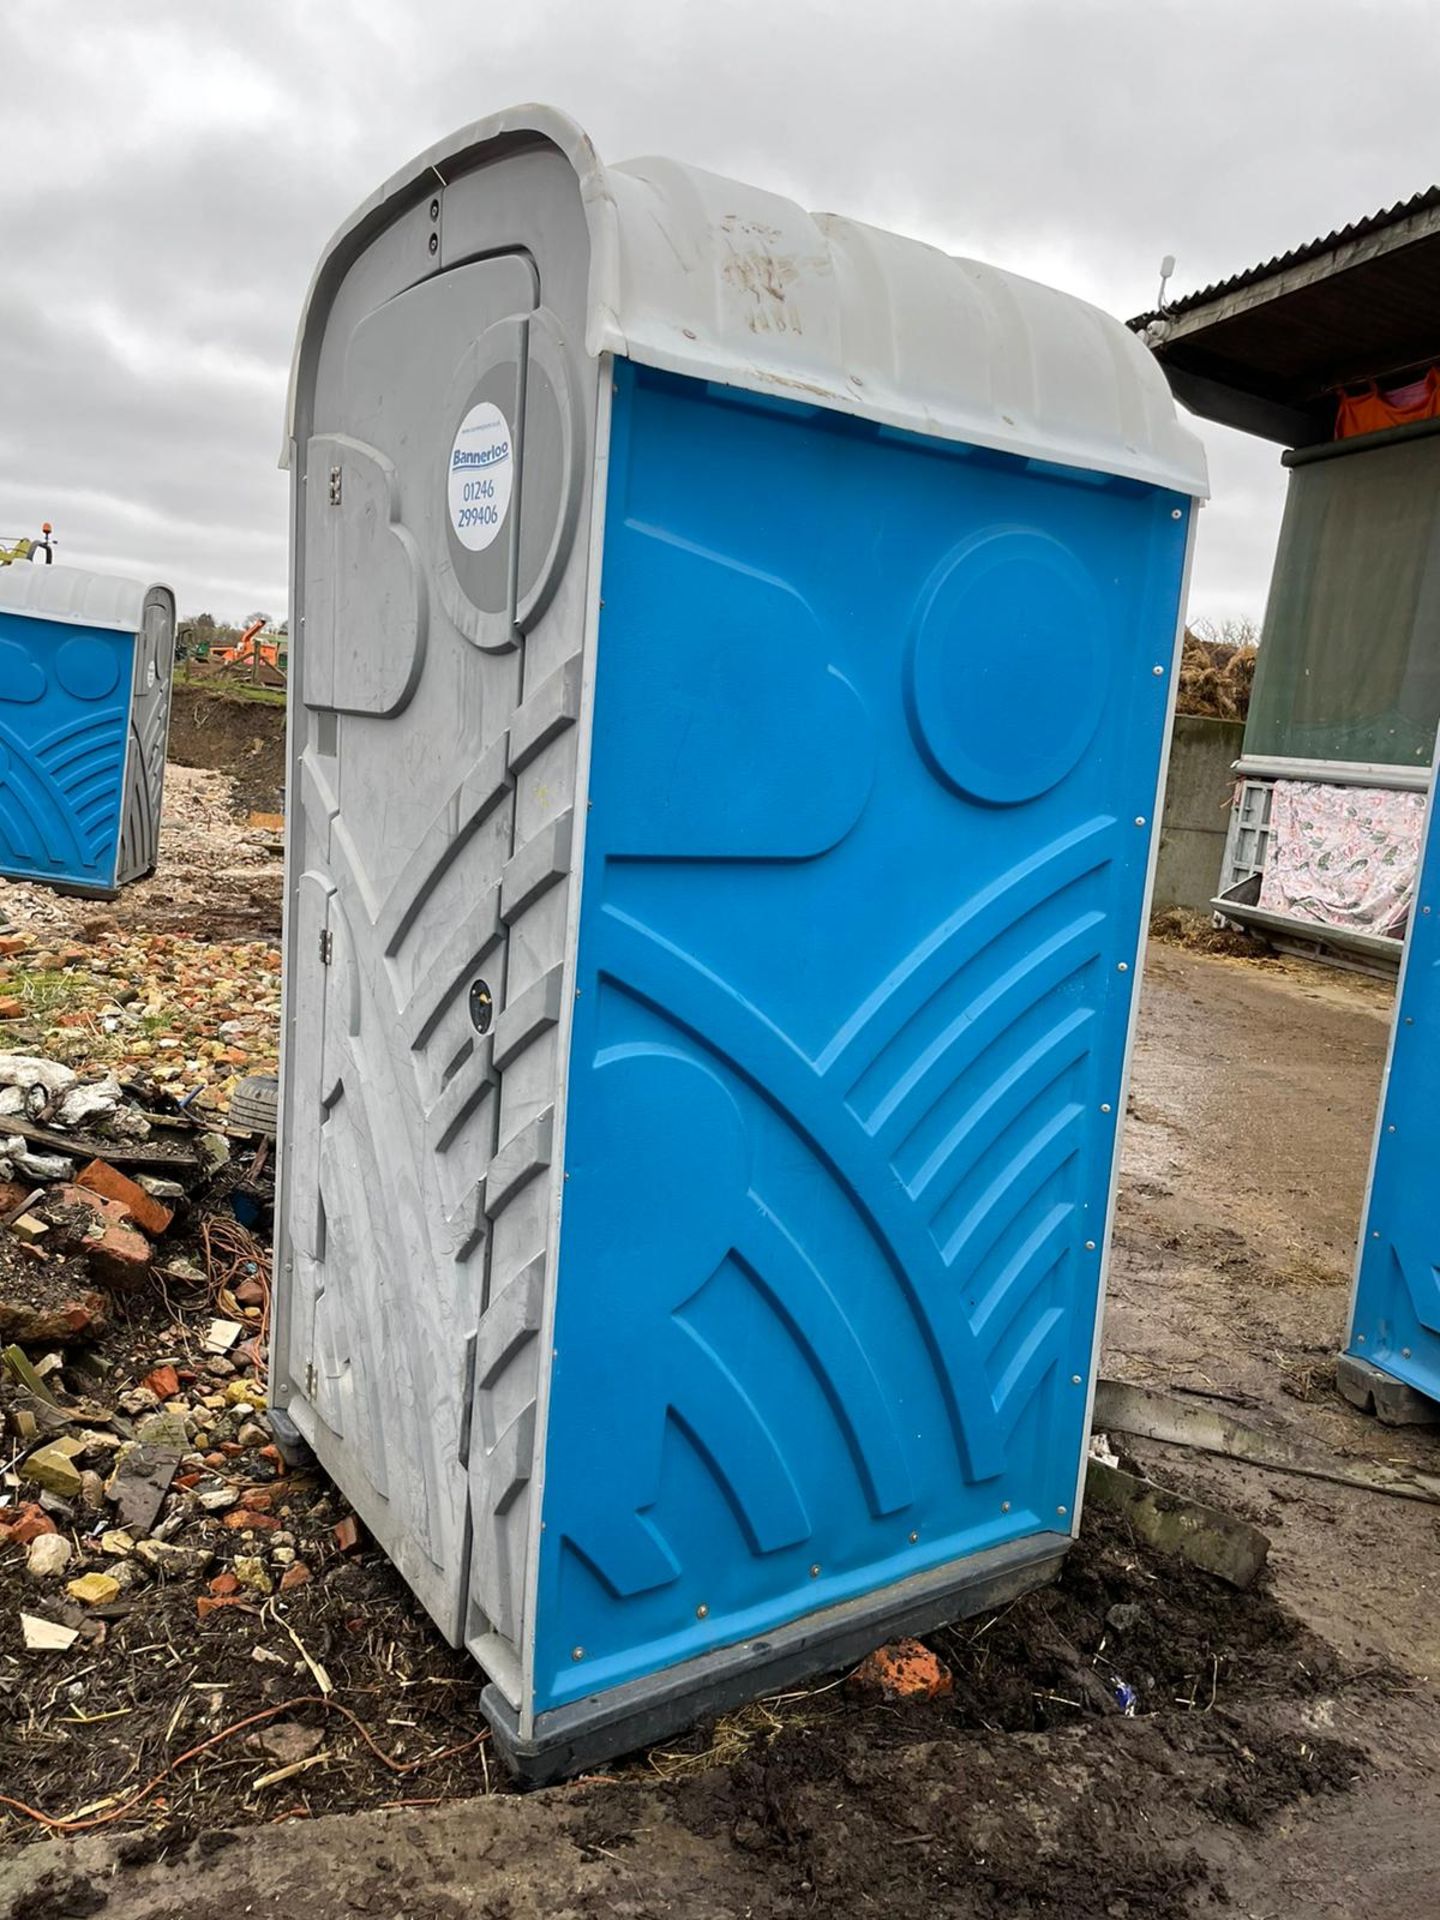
(327, 946)
(334, 486)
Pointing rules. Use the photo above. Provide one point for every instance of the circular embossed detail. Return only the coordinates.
(1007, 674)
(87, 669)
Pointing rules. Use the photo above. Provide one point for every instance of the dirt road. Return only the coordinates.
(1289, 1761)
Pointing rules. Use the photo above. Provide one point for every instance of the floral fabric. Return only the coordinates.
(1343, 856)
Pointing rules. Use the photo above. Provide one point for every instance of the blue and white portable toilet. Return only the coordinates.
(86, 661)
(727, 723)
(1391, 1361)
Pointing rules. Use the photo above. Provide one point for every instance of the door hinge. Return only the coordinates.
(327, 946)
(334, 486)
(467, 1399)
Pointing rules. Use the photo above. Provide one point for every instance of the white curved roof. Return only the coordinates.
(72, 596)
(701, 275)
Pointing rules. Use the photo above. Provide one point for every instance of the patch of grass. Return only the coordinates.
(239, 692)
(47, 990)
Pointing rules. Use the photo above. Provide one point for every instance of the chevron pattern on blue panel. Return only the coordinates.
(876, 734)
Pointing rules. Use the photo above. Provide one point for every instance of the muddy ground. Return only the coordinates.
(1284, 1756)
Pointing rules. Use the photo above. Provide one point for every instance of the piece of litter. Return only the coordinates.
(222, 1335)
(47, 1636)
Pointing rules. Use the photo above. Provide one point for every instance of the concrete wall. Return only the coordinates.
(1197, 810)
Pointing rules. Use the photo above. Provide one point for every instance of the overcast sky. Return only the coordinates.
(171, 171)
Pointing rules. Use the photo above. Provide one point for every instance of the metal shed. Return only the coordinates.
(1335, 762)
(86, 661)
(733, 657)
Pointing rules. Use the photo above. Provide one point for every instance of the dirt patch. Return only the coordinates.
(229, 733)
(1030, 1789)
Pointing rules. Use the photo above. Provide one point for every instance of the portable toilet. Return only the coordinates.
(731, 684)
(85, 667)
(1391, 1362)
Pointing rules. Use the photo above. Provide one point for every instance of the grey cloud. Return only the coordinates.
(173, 173)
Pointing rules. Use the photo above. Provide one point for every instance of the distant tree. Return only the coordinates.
(1238, 630)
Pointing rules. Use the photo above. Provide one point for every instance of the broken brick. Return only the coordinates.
(142, 1208)
(163, 1382)
(293, 1577)
(12, 943)
(905, 1670)
(222, 1584)
(209, 1603)
(245, 1517)
(347, 1534)
(119, 1254)
(20, 1525)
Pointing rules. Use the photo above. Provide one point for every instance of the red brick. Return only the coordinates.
(239, 1517)
(222, 1584)
(163, 1382)
(122, 1256)
(212, 1603)
(347, 1534)
(19, 1526)
(293, 1577)
(143, 1208)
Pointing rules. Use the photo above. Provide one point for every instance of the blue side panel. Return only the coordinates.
(877, 726)
(1396, 1324)
(64, 710)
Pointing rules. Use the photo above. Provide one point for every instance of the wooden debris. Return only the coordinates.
(1216, 1542)
(1151, 1415)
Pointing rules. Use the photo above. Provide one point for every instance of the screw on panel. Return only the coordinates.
(1404, 1353)
(1104, 1106)
(1089, 1246)
(1062, 1511)
(1360, 1339)
(577, 1653)
(434, 243)
(1004, 1506)
(815, 1571)
(1157, 671)
(1390, 1129)
(1122, 966)
(913, 1538)
(1174, 515)
(1139, 819)
(1075, 1380)
(434, 209)
(701, 1611)
(1375, 1235)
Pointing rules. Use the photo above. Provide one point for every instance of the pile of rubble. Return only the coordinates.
(108, 1472)
(171, 1583)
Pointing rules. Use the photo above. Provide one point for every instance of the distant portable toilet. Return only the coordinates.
(1392, 1350)
(85, 667)
(726, 724)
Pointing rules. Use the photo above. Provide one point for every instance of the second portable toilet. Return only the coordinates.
(86, 661)
(731, 688)
(1391, 1361)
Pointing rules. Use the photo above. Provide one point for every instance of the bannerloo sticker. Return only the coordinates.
(482, 474)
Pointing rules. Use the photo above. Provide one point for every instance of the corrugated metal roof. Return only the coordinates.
(1312, 249)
